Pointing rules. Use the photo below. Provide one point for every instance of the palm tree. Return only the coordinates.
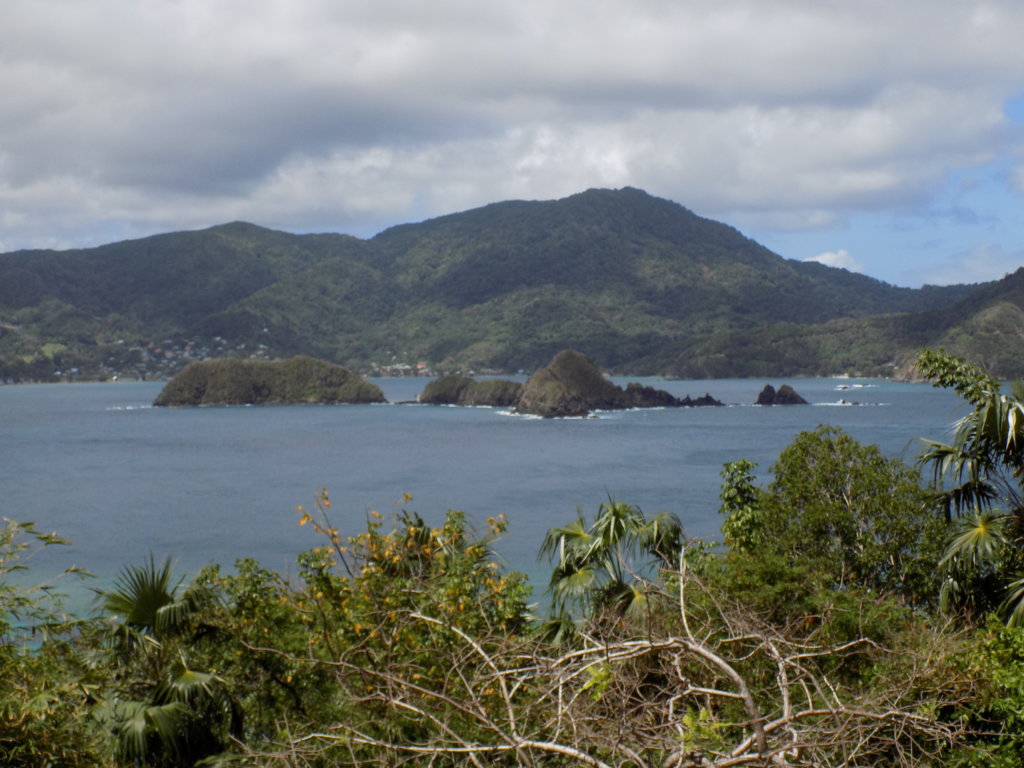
(159, 708)
(602, 567)
(978, 477)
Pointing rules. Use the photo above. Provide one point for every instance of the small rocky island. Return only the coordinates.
(572, 385)
(785, 395)
(462, 390)
(234, 381)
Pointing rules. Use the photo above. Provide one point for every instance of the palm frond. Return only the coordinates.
(664, 536)
(189, 685)
(572, 583)
(139, 593)
(1013, 603)
(979, 543)
(616, 523)
(139, 723)
(566, 542)
(175, 614)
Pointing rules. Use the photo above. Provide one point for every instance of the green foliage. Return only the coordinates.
(978, 476)
(995, 712)
(838, 510)
(43, 712)
(302, 655)
(969, 381)
(600, 569)
(745, 513)
(158, 706)
(408, 635)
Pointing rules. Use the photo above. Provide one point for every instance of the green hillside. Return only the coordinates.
(640, 284)
(986, 327)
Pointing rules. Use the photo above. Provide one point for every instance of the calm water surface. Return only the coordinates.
(121, 479)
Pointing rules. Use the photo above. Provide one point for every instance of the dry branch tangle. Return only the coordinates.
(633, 702)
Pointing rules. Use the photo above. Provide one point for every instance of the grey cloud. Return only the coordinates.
(314, 113)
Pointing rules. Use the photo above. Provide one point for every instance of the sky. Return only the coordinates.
(883, 137)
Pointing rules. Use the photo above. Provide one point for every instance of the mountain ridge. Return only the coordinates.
(639, 283)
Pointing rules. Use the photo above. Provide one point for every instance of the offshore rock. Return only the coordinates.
(233, 381)
(705, 399)
(572, 385)
(640, 396)
(785, 395)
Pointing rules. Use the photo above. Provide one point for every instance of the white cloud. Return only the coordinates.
(350, 116)
(840, 258)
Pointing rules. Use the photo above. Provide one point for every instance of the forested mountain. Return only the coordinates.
(638, 283)
(986, 326)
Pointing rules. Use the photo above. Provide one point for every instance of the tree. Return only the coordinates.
(160, 709)
(837, 512)
(978, 476)
(43, 708)
(303, 655)
(605, 566)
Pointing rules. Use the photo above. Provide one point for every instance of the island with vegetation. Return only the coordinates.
(233, 381)
(858, 612)
(463, 390)
(571, 385)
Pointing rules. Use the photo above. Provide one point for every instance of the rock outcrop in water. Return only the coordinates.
(785, 395)
(233, 381)
(572, 385)
(462, 390)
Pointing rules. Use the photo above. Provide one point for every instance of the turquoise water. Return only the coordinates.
(121, 479)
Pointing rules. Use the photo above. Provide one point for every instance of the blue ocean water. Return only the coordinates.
(122, 480)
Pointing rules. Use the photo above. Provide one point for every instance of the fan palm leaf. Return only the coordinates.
(568, 542)
(139, 593)
(981, 541)
(664, 536)
(595, 568)
(572, 583)
(139, 724)
(616, 522)
(1013, 603)
(160, 708)
(983, 464)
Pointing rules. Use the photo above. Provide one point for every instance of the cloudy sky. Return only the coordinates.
(885, 137)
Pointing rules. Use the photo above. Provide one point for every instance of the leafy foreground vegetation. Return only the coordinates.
(851, 618)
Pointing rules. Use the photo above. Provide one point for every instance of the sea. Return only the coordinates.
(123, 481)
